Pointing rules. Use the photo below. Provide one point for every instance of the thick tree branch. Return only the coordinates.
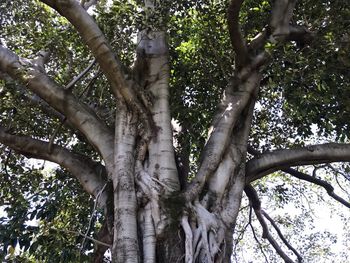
(300, 34)
(270, 162)
(102, 51)
(236, 37)
(236, 99)
(95, 40)
(227, 117)
(282, 13)
(256, 204)
(122, 85)
(236, 175)
(125, 202)
(312, 179)
(91, 175)
(82, 117)
(281, 27)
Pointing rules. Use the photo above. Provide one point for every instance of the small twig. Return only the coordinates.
(88, 86)
(65, 118)
(316, 168)
(92, 216)
(35, 194)
(7, 161)
(85, 236)
(241, 234)
(55, 134)
(340, 186)
(82, 74)
(302, 194)
(69, 64)
(243, 207)
(346, 176)
(219, 61)
(11, 118)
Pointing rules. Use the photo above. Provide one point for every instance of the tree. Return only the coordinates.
(246, 81)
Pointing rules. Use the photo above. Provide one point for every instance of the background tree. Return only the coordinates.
(255, 88)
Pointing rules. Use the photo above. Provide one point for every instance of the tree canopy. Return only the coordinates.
(297, 151)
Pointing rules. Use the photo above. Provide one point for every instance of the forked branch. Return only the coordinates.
(302, 176)
(327, 186)
(79, 115)
(101, 49)
(279, 232)
(227, 118)
(255, 236)
(256, 204)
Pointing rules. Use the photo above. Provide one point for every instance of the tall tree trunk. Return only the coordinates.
(155, 234)
(125, 243)
(143, 226)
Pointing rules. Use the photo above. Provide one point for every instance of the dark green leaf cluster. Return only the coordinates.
(201, 66)
(313, 80)
(41, 208)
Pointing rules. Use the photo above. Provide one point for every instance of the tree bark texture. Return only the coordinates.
(151, 220)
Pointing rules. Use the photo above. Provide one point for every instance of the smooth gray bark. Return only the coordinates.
(152, 221)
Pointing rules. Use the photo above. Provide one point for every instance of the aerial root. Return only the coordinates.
(203, 235)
